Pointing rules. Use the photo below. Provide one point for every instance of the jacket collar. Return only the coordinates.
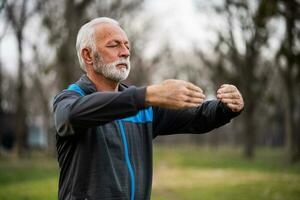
(89, 87)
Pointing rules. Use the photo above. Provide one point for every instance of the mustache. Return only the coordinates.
(123, 61)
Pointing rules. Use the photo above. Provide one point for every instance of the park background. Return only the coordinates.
(253, 44)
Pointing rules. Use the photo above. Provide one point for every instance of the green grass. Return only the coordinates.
(202, 173)
(269, 160)
(28, 179)
(180, 173)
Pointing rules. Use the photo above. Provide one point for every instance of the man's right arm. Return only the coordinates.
(73, 111)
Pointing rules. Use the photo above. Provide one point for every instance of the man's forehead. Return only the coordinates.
(107, 31)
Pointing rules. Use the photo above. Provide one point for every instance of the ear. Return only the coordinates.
(86, 55)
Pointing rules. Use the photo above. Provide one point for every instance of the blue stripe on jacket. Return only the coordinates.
(76, 88)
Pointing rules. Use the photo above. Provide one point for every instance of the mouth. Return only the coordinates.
(122, 65)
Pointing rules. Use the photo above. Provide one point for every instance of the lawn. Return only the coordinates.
(195, 173)
(180, 173)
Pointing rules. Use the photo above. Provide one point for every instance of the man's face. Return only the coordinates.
(112, 70)
(111, 58)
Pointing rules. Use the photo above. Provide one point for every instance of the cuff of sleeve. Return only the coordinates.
(229, 112)
(140, 97)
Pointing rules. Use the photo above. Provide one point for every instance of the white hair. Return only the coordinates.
(86, 39)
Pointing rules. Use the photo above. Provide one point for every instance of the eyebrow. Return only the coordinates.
(118, 41)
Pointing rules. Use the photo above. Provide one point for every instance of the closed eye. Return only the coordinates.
(112, 45)
(118, 44)
(115, 45)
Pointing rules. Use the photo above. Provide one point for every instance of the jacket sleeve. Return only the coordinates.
(208, 116)
(73, 111)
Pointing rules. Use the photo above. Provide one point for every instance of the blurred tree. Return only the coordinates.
(42, 84)
(1, 109)
(1, 75)
(2, 34)
(238, 57)
(17, 14)
(63, 20)
(288, 62)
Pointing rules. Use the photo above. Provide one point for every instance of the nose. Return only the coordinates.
(124, 51)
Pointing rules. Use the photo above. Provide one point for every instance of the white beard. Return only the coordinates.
(110, 70)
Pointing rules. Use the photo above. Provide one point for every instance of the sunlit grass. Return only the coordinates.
(202, 173)
(192, 183)
(266, 159)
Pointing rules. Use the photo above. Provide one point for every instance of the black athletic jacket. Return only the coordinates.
(104, 139)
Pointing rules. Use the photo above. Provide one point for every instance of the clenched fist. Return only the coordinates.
(230, 95)
(174, 94)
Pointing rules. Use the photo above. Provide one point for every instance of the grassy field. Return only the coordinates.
(180, 173)
(202, 173)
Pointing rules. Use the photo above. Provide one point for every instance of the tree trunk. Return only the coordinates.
(1, 94)
(21, 128)
(292, 135)
(248, 115)
(68, 67)
(290, 82)
(1, 110)
(250, 134)
(46, 116)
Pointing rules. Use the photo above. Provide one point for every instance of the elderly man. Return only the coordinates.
(105, 128)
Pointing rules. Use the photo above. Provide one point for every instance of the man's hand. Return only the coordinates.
(231, 96)
(174, 94)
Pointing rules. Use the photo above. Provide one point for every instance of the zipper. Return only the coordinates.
(128, 163)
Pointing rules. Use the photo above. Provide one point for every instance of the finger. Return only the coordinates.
(226, 89)
(225, 85)
(190, 105)
(230, 101)
(192, 93)
(233, 107)
(193, 87)
(195, 100)
(233, 95)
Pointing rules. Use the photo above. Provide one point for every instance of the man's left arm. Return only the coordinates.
(208, 116)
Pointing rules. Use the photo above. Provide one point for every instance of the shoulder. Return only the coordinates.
(65, 94)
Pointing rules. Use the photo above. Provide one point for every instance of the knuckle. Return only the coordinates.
(182, 98)
(185, 90)
(181, 105)
(181, 88)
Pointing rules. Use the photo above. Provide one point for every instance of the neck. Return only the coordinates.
(102, 83)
